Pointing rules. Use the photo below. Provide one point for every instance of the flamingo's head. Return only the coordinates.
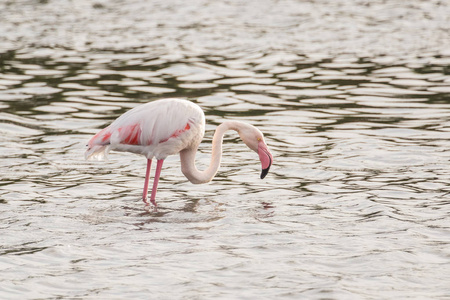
(254, 139)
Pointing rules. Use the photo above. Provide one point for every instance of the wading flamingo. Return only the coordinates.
(169, 126)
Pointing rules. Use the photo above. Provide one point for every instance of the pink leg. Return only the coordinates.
(147, 178)
(156, 180)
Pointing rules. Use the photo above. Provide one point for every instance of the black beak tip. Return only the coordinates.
(264, 172)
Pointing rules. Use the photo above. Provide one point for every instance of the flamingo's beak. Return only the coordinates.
(266, 158)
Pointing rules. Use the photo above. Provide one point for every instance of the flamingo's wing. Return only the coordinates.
(147, 125)
(152, 123)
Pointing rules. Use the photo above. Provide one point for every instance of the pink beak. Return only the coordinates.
(266, 158)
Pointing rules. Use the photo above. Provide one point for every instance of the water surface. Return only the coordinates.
(356, 205)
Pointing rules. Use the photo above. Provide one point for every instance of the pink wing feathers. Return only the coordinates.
(143, 128)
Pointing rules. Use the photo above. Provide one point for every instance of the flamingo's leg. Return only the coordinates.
(147, 178)
(156, 180)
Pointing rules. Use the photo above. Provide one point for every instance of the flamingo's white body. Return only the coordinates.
(169, 126)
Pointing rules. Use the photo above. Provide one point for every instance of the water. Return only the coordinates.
(357, 203)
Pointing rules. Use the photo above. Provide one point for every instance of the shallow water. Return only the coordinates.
(356, 205)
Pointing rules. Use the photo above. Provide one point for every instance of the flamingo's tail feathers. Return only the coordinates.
(97, 152)
(99, 145)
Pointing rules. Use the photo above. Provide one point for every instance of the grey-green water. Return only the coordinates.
(354, 101)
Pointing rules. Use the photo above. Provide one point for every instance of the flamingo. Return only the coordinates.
(169, 126)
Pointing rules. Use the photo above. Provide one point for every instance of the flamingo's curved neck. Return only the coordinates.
(187, 156)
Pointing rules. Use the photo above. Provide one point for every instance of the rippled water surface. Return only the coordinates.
(357, 203)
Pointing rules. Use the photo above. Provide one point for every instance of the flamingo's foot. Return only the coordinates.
(147, 204)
